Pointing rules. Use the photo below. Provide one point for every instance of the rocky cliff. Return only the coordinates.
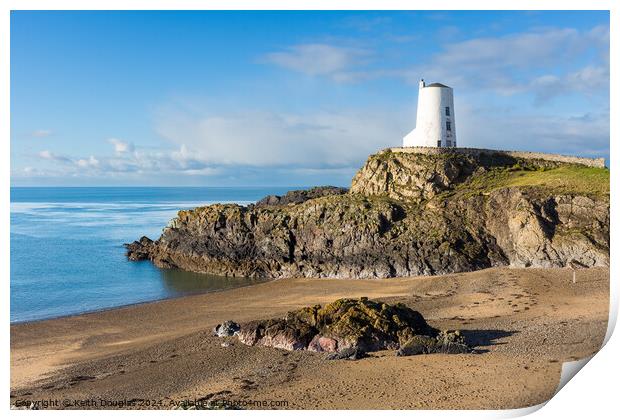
(405, 214)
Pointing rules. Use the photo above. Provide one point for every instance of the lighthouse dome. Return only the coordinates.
(438, 85)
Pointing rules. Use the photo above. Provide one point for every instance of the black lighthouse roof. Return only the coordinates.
(437, 85)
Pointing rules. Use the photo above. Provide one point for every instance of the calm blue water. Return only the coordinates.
(66, 247)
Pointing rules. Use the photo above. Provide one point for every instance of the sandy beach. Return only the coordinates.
(523, 323)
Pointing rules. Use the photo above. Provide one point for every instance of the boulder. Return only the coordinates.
(348, 328)
(140, 249)
(451, 342)
(226, 329)
(277, 333)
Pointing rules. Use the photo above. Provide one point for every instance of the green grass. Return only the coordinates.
(566, 179)
(579, 179)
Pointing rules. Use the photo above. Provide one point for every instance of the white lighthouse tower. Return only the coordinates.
(434, 125)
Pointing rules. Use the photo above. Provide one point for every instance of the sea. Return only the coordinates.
(67, 254)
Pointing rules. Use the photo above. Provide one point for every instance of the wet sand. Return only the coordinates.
(523, 322)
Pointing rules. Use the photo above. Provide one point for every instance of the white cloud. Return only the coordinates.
(121, 163)
(325, 145)
(580, 135)
(90, 162)
(534, 61)
(587, 80)
(250, 142)
(41, 133)
(522, 62)
(121, 146)
(47, 155)
(319, 59)
(255, 138)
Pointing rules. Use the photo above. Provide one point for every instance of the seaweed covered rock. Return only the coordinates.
(355, 325)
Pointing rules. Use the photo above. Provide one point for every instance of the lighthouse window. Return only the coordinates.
(447, 111)
(448, 126)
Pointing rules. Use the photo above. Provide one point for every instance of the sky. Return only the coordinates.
(264, 98)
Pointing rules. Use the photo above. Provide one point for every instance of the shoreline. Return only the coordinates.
(113, 308)
(523, 324)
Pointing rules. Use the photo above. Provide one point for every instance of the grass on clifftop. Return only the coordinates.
(566, 179)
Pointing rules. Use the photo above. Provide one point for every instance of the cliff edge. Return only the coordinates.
(408, 212)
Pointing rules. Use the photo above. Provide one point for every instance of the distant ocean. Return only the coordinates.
(67, 254)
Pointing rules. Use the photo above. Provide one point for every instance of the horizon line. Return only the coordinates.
(168, 186)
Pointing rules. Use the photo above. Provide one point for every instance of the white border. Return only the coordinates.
(595, 391)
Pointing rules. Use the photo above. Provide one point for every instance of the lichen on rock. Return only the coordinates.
(355, 325)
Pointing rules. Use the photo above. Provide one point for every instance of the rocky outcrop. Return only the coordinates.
(299, 196)
(348, 328)
(418, 177)
(140, 249)
(406, 214)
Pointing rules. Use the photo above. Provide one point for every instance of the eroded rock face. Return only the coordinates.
(349, 328)
(410, 179)
(406, 215)
(549, 232)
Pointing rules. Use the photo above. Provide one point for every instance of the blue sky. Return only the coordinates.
(289, 98)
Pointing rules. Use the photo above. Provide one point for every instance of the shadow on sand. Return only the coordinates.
(481, 338)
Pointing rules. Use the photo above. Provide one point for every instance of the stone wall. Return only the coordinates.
(591, 162)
